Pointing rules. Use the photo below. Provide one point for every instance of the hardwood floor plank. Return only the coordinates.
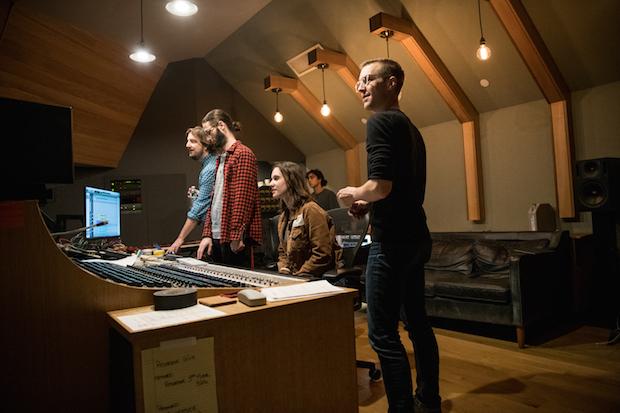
(569, 373)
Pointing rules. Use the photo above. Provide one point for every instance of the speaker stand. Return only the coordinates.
(614, 335)
(605, 277)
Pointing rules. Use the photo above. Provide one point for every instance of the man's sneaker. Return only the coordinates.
(419, 407)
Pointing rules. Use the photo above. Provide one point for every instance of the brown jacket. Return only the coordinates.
(310, 246)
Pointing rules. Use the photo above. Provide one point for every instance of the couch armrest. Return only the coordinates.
(539, 284)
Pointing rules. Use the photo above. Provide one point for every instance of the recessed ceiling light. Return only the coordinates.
(484, 83)
(181, 8)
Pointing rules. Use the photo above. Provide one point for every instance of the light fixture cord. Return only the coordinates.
(323, 76)
(387, 45)
(277, 93)
(141, 24)
(480, 20)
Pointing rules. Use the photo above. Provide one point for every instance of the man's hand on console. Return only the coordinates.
(174, 248)
(205, 245)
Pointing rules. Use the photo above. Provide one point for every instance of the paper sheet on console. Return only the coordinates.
(311, 288)
(125, 262)
(157, 319)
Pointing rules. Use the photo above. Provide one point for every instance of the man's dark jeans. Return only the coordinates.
(222, 254)
(395, 291)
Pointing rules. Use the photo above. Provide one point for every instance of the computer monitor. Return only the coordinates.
(101, 206)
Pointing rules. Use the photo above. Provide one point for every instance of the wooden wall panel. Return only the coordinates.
(47, 61)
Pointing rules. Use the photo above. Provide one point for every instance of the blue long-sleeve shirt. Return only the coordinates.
(205, 186)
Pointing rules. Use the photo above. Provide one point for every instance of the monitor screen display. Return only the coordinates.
(103, 212)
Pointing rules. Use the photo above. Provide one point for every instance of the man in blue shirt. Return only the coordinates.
(197, 149)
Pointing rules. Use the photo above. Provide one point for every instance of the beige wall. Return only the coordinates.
(517, 160)
(596, 122)
(332, 164)
(517, 169)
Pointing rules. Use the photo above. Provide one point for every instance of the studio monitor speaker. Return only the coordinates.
(597, 185)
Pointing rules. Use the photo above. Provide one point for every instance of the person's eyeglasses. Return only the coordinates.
(364, 81)
(210, 130)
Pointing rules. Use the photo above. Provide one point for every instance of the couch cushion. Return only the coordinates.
(450, 284)
(491, 257)
(451, 255)
(525, 246)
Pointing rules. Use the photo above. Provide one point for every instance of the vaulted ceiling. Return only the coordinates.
(247, 40)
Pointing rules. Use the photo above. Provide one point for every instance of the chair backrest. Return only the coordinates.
(350, 234)
(270, 239)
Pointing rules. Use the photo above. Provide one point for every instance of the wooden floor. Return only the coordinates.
(569, 373)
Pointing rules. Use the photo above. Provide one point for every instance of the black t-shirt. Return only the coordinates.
(396, 153)
(326, 199)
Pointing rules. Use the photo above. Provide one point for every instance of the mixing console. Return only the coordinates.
(175, 275)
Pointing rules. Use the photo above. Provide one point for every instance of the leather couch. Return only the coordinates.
(505, 278)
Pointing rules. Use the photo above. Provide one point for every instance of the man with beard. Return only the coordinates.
(233, 221)
(196, 146)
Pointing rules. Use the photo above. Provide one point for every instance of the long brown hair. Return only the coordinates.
(216, 115)
(297, 186)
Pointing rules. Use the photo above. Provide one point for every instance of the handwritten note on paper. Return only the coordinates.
(180, 378)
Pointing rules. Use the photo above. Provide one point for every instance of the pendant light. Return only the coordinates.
(278, 117)
(325, 110)
(386, 34)
(483, 53)
(142, 55)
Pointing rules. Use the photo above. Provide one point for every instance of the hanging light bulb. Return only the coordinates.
(484, 52)
(181, 8)
(142, 55)
(325, 110)
(278, 117)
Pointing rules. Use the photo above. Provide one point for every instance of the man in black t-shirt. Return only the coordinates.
(401, 244)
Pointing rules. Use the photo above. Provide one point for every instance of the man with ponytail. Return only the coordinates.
(233, 222)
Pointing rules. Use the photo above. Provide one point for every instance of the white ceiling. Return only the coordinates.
(246, 40)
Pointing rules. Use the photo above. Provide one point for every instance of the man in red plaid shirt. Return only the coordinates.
(233, 222)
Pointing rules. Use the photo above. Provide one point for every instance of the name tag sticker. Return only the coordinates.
(299, 221)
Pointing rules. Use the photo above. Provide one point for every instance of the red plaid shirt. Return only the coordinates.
(240, 204)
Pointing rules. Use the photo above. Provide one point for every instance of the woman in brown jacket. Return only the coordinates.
(306, 233)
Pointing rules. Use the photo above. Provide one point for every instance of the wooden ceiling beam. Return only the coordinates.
(532, 48)
(538, 59)
(412, 39)
(427, 59)
(302, 95)
(341, 63)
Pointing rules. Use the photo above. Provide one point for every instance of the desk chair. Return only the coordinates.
(350, 235)
(271, 242)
